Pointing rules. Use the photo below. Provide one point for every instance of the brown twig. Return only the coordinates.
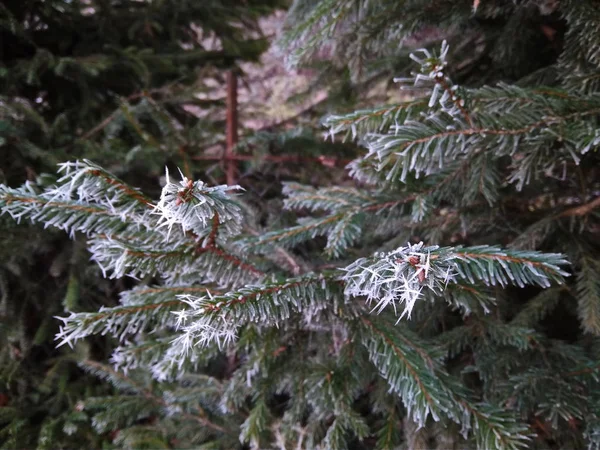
(324, 160)
(455, 99)
(100, 126)
(231, 258)
(295, 266)
(581, 210)
(212, 237)
(108, 119)
(232, 126)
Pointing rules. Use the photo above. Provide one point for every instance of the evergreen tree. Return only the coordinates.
(120, 82)
(454, 300)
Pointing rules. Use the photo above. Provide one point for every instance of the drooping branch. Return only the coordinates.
(108, 371)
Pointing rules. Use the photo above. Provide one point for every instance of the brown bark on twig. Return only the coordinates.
(328, 161)
(232, 127)
(582, 210)
(231, 141)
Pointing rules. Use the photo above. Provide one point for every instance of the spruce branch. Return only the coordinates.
(192, 205)
(118, 257)
(305, 361)
(246, 269)
(118, 321)
(141, 309)
(433, 72)
(292, 236)
(428, 391)
(120, 378)
(350, 210)
(496, 428)
(588, 290)
(255, 424)
(461, 122)
(389, 434)
(141, 294)
(538, 307)
(420, 147)
(70, 216)
(400, 276)
(86, 199)
(295, 265)
(317, 25)
(363, 122)
(495, 266)
(209, 318)
(89, 182)
(146, 355)
(411, 374)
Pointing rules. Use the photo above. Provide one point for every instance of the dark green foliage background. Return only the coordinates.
(92, 79)
(113, 81)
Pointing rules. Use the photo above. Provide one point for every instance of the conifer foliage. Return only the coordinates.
(120, 82)
(459, 306)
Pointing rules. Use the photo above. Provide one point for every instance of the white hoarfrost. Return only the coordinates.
(397, 278)
(193, 204)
